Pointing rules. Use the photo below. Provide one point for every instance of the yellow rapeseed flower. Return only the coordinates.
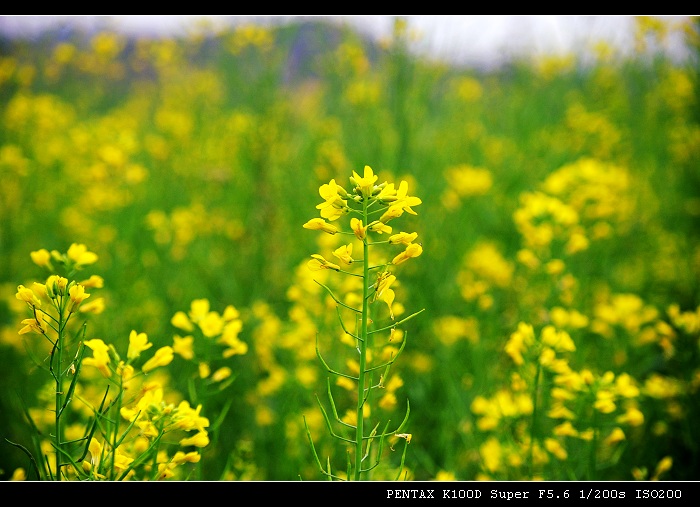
(41, 258)
(77, 296)
(632, 416)
(605, 401)
(201, 439)
(199, 308)
(334, 206)
(181, 321)
(565, 429)
(19, 475)
(183, 346)
(31, 326)
(211, 324)
(384, 292)
(554, 446)
(28, 296)
(616, 435)
(379, 227)
(626, 386)
(165, 471)
(80, 255)
(319, 224)
(162, 357)
(95, 306)
(94, 282)
(189, 418)
(191, 457)
(403, 201)
(559, 340)
(365, 184)
(358, 229)
(664, 465)
(318, 263)
(412, 250)
(344, 253)
(56, 286)
(403, 238)
(519, 342)
(100, 356)
(221, 374)
(138, 342)
(491, 454)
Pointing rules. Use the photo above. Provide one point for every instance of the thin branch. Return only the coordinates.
(396, 323)
(29, 454)
(336, 299)
(328, 368)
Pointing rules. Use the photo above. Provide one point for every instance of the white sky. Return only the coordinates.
(482, 39)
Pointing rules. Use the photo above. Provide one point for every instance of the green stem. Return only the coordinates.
(533, 424)
(115, 426)
(58, 376)
(359, 432)
(592, 465)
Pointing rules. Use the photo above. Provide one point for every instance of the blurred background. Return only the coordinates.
(556, 159)
(482, 41)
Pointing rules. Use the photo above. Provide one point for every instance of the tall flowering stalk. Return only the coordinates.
(52, 305)
(132, 432)
(370, 207)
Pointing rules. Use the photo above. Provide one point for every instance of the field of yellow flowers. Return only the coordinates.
(282, 254)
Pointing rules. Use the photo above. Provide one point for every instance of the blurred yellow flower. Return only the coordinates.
(162, 357)
(211, 324)
(519, 342)
(632, 416)
(180, 457)
(183, 346)
(77, 296)
(664, 465)
(138, 342)
(41, 258)
(556, 448)
(199, 309)
(94, 282)
(19, 474)
(616, 436)
(80, 255)
(181, 321)
(221, 374)
(201, 439)
(100, 356)
(95, 306)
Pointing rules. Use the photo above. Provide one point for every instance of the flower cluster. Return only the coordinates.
(372, 208)
(113, 450)
(224, 327)
(56, 300)
(367, 200)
